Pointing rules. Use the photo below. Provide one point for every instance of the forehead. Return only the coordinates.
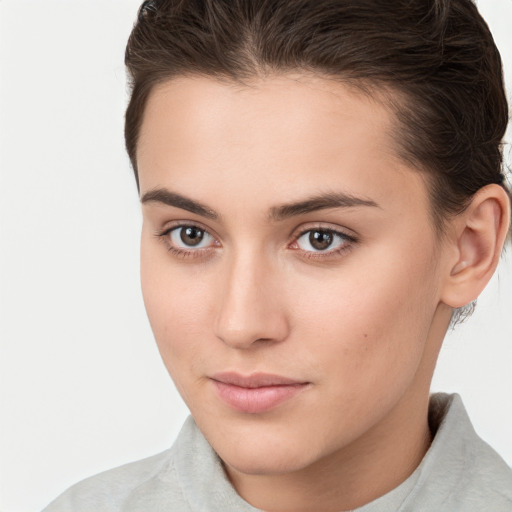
(299, 133)
(266, 112)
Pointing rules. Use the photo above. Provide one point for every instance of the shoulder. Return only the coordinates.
(461, 472)
(111, 490)
(487, 479)
(485, 483)
(131, 487)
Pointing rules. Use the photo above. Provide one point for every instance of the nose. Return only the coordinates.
(250, 308)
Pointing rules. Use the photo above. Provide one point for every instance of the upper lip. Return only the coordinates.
(255, 380)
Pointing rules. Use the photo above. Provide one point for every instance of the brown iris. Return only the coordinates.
(320, 240)
(191, 235)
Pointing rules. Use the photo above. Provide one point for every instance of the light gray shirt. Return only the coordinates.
(459, 473)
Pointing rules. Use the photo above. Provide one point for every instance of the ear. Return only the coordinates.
(477, 235)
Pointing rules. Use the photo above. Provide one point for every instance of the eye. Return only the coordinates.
(322, 240)
(189, 237)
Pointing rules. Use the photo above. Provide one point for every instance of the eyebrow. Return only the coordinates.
(164, 196)
(319, 202)
(322, 201)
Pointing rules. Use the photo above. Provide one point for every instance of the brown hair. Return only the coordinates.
(437, 56)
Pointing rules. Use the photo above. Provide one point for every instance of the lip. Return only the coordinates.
(255, 393)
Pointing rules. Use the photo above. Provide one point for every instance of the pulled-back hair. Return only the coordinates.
(437, 58)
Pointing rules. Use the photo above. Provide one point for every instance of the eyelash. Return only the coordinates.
(346, 246)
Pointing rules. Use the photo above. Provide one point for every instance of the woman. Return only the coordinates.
(322, 194)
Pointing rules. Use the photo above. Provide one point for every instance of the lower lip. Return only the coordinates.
(256, 400)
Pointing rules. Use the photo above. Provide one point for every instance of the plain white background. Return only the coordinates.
(82, 385)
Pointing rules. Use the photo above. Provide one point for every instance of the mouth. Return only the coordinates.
(256, 393)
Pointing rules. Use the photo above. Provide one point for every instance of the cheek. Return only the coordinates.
(177, 306)
(367, 327)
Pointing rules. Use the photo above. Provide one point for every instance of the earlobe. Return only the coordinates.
(479, 234)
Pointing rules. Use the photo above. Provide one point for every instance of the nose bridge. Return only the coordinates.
(249, 308)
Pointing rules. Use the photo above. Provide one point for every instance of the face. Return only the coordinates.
(290, 269)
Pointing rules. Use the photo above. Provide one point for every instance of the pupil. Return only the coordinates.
(320, 240)
(191, 236)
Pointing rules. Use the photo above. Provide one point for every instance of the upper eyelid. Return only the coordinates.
(344, 232)
(170, 226)
(329, 230)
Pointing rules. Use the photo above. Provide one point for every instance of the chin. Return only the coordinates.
(264, 452)
(265, 462)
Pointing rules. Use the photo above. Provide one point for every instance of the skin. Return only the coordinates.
(361, 325)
